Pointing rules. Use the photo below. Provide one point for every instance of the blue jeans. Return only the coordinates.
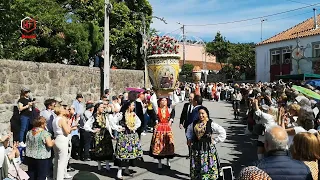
(146, 120)
(25, 121)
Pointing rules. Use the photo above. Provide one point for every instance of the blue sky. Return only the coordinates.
(219, 11)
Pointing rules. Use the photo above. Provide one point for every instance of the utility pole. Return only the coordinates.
(262, 20)
(106, 67)
(184, 43)
(144, 48)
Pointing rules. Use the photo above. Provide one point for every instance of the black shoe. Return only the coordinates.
(87, 159)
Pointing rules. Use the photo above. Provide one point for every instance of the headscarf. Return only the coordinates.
(169, 101)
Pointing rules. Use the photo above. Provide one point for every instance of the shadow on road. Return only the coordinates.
(244, 145)
(165, 171)
(86, 167)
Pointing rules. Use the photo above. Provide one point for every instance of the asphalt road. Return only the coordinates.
(237, 151)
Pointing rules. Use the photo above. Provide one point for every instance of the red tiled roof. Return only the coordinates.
(210, 66)
(303, 29)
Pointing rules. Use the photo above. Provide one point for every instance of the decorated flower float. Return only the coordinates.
(163, 64)
(196, 74)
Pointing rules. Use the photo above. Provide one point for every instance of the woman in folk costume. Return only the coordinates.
(197, 90)
(102, 146)
(128, 147)
(162, 144)
(214, 91)
(204, 160)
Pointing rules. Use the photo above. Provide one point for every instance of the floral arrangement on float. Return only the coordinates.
(163, 64)
(196, 74)
(163, 45)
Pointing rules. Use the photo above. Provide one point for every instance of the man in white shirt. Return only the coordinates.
(48, 113)
(78, 106)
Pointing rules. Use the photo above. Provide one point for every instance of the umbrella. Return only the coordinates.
(307, 92)
(135, 89)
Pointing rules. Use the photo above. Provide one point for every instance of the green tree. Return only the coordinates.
(125, 23)
(186, 69)
(219, 48)
(73, 30)
(243, 55)
(56, 38)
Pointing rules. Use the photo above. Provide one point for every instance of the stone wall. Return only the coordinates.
(47, 80)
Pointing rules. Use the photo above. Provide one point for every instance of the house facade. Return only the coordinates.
(279, 54)
(195, 55)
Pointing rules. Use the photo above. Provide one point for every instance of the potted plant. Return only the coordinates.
(163, 64)
(196, 74)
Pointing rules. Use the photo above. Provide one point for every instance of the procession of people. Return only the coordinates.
(106, 132)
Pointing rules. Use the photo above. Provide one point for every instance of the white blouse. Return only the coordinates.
(216, 129)
(114, 120)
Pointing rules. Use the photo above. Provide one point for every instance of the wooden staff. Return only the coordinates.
(279, 115)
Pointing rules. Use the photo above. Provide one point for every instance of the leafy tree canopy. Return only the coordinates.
(240, 57)
(72, 30)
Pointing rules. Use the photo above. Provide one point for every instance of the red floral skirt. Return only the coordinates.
(162, 144)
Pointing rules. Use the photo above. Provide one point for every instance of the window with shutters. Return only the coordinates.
(286, 56)
(316, 50)
(275, 57)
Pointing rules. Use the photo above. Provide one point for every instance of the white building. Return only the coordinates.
(274, 56)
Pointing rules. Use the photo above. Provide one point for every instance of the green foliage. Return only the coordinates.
(186, 69)
(243, 55)
(240, 55)
(73, 30)
(219, 48)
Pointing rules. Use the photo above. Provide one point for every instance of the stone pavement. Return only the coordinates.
(237, 151)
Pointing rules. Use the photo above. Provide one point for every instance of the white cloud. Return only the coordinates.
(216, 11)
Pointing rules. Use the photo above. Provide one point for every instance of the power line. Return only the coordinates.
(298, 2)
(268, 21)
(250, 19)
(172, 31)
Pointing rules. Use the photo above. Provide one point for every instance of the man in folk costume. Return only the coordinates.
(185, 114)
(140, 110)
(162, 144)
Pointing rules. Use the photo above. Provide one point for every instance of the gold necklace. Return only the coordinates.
(200, 128)
(130, 120)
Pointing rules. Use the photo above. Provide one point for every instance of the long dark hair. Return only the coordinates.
(205, 109)
(126, 106)
(96, 108)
